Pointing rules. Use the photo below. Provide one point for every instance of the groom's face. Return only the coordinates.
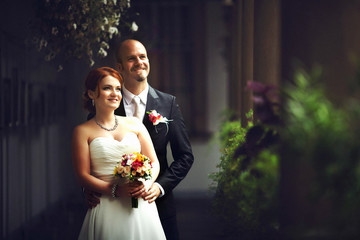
(134, 64)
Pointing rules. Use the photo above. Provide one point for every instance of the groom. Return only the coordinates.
(134, 66)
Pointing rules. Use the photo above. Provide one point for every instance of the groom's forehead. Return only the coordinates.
(135, 52)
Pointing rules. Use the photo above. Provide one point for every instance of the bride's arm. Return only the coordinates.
(81, 163)
(147, 148)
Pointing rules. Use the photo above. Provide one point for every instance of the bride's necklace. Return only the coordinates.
(108, 129)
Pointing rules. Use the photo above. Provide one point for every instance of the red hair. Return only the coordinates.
(92, 83)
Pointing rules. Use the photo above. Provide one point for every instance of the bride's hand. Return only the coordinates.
(136, 189)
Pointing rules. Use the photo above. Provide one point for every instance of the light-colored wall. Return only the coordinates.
(207, 153)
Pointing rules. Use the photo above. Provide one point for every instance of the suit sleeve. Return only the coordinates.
(180, 148)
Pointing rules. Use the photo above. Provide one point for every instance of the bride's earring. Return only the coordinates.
(92, 101)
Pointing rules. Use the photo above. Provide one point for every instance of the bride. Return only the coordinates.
(97, 146)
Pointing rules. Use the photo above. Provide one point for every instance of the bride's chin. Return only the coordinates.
(114, 106)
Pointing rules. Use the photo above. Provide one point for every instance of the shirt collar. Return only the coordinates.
(128, 96)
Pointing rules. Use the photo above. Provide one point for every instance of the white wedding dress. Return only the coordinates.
(114, 218)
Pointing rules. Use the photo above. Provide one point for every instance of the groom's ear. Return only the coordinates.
(119, 66)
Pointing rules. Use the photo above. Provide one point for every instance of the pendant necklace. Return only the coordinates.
(108, 129)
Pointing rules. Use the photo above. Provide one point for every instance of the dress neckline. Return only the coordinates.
(109, 138)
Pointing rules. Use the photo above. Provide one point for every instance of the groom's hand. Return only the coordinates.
(92, 198)
(152, 194)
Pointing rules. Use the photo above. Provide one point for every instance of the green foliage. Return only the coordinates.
(316, 139)
(327, 140)
(246, 193)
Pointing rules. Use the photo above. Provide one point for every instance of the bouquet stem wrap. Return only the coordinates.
(134, 202)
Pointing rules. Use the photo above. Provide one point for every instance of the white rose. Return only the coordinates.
(102, 52)
(127, 169)
(105, 45)
(134, 27)
(54, 31)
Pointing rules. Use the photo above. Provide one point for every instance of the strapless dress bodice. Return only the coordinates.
(114, 218)
(106, 152)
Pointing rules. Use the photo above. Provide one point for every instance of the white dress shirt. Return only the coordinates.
(129, 104)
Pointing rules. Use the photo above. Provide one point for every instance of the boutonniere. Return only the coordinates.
(157, 118)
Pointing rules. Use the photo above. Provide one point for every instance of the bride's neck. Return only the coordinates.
(105, 117)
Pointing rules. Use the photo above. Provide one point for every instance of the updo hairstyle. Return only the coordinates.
(92, 83)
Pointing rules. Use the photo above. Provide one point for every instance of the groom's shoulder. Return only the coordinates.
(163, 95)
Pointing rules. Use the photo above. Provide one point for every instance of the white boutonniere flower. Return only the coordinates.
(157, 118)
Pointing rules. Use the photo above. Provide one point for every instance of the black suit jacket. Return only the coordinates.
(169, 176)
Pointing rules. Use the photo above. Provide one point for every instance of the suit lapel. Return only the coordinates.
(152, 100)
(151, 104)
(121, 109)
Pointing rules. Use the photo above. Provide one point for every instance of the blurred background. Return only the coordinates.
(202, 51)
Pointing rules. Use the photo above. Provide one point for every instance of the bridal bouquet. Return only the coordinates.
(135, 167)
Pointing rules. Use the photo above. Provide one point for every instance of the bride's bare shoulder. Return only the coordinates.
(84, 128)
